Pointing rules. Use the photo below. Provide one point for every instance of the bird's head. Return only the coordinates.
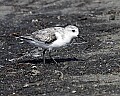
(72, 31)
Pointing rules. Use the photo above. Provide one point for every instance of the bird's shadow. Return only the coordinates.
(58, 60)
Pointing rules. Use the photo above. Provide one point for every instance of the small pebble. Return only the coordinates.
(73, 91)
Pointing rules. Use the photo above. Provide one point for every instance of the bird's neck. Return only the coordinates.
(68, 39)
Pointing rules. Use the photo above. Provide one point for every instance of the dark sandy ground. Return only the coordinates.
(84, 69)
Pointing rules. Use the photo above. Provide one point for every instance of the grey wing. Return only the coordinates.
(46, 35)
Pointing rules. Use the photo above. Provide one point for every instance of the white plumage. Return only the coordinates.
(53, 37)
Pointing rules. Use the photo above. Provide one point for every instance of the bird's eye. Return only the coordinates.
(73, 30)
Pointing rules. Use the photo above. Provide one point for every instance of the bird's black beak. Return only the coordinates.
(82, 38)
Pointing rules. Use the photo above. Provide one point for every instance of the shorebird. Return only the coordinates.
(53, 37)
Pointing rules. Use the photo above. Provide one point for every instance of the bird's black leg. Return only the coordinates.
(44, 55)
(52, 57)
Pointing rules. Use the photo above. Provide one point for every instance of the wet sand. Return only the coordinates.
(90, 68)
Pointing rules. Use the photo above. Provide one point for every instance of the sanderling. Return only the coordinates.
(53, 37)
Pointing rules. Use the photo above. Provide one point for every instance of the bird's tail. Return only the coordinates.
(21, 37)
(32, 41)
(14, 34)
